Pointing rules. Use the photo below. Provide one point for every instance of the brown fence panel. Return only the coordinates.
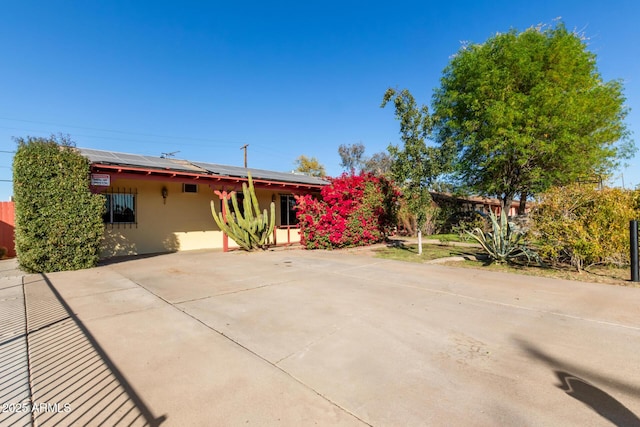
(7, 227)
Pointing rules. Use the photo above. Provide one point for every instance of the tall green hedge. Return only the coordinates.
(58, 220)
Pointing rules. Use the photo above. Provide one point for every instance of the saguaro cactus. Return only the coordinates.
(252, 229)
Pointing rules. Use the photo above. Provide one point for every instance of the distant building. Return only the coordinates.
(483, 205)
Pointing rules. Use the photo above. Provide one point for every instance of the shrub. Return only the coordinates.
(467, 221)
(58, 221)
(584, 226)
(503, 243)
(354, 210)
(407, 223)
(454, 217)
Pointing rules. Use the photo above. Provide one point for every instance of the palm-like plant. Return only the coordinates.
(504, 243)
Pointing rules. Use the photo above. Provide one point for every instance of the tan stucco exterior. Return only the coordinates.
(180, 222)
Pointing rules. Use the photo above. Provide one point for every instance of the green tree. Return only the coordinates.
(351, 156)
(310, 166)
(58, 220)
(416, 165)
(525, 111)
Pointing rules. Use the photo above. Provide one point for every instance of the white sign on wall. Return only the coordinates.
(101, 179)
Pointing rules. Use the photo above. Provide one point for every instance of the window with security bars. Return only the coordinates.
(120, 207)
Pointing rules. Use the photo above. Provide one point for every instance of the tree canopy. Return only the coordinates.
(415, 165)
(351, 156)
(310, 166)
(378, 164)
(525, 111)
(353, 160)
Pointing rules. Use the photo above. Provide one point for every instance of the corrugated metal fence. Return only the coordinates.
(7, 227)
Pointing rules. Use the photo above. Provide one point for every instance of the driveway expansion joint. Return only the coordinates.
(237, 291)
(265, 360)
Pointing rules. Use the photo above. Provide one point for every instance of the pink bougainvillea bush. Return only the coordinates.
(354, 210)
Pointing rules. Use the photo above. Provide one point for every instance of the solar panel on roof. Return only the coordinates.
(237, 171)
(109, 157)
(98, 156)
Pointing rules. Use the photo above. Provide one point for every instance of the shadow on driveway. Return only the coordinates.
(72, 380)
(578, 388)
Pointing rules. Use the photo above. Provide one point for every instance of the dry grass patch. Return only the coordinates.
(409, 253)
(598, 274)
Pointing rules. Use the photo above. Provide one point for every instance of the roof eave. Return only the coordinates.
(151, 173)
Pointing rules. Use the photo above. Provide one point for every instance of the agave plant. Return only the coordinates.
(504, 243)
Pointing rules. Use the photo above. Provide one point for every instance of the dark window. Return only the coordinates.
(189, 188)
(120, 208)
(287, 211)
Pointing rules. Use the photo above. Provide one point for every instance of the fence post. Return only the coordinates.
(633, 240)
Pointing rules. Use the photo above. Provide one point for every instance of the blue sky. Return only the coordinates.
(287, 78)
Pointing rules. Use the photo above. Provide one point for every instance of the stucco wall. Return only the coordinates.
(7, 228)
(181, 222)
(287, 235)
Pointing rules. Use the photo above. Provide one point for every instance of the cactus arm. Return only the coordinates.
(252, 191)
(252, 228)
(218, 219)
(272, 222)
(229, 227)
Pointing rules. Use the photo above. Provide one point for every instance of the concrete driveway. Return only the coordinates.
(294, 337)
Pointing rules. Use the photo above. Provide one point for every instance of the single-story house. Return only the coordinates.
(483, 205)
(158, 204)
